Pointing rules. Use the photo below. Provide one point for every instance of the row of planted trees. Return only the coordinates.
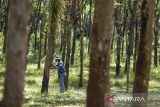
(73, 23)
(98, 83)
(125, 33)
(131, 37)
(22, 35)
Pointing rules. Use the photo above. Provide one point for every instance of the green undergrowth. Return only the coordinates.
(74, 96)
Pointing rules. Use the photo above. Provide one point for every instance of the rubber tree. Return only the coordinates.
(143, 63)
(16, 53)
(98, 83)
(53, 21)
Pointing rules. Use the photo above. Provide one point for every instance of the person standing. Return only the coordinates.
(61, 73)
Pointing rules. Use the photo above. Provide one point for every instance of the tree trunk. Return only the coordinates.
(156, 31)
(30, 33)
(0, 8)
(130, 37)
(69, 20)
(159, 56)
(62, 35)
(81, 61)
(16, 53)
(118, 27)
(40, 43)
(6, 27)
(143, 64)
(136, 44)
(49, 59)
(0, 15)
(64, 39)
(90, 26)
(64, 50)
(73, 45)
(68, 37)
(112, 40)
(98, 83)
(118, 50)
(1, 22)
(45, 44)
(124, 32)
(74, 25)
(54, 11)
(37, 23)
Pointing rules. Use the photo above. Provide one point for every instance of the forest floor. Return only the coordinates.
(74, 96)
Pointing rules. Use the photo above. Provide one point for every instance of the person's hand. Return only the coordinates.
(65, 74)
(51, 66)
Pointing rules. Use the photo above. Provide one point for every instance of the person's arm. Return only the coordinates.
(52, 66)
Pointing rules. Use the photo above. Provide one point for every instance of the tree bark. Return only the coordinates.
(62, 34)
(1, 22)
(37, 23)
(49, 59)
(125, 27)
(143, 64)
(112, 40)
(90, 25)
(40, 43)
(118, 59)
(137, 37)
(64, 39)
(45, 44)
(118, 27)
(98, 83)
(156, 38)
(73, 45)
(54, 11)
(16, 53)
(0, 8)
(136, 44)
(6, 27)
(68, 37)
(81, 61)
(30, 33)
(130, 37)
(74, 26)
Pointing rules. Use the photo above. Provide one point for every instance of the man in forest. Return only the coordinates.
(61, 73)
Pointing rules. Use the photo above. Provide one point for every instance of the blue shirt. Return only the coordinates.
(60, 66)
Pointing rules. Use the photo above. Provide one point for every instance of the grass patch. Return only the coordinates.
(74, 96)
